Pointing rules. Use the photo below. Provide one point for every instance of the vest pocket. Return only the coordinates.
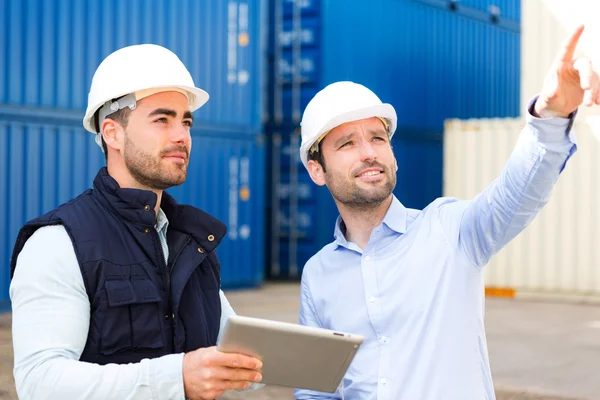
(130, 318)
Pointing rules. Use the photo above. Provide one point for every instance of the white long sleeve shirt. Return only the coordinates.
(51, 316)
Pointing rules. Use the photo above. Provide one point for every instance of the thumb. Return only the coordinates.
(588, 80)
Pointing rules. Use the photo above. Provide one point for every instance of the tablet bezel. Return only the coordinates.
(284, 347)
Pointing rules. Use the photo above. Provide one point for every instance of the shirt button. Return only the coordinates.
(200, 250)
(383, 381)
(147, 230)
(372, 299)
(367, 258)
(147, 208)
(383, 339)
(211, 238)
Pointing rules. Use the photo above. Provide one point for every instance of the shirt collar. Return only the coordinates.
(161, 221)
(395, 219)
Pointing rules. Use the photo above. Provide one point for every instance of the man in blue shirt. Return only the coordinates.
(411, 281)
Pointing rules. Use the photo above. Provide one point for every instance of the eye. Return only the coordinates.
(379, 139)
(189, 123)
(347, 144)
(162, 120)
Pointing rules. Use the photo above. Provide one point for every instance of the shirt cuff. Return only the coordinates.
(551, 130)
(166, 377)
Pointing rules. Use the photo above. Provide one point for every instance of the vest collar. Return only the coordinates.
(137, 207)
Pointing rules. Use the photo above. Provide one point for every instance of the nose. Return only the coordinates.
(180, 134)
(367, 151)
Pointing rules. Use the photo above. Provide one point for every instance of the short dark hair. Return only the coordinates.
(317, 156)
(121, 117)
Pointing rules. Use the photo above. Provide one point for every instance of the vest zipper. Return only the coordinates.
(168, 268)
(166, 272)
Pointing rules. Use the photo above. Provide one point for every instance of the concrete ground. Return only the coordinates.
(538, 350)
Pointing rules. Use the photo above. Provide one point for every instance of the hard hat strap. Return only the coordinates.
(315, 147)
(112, 106)
(385, 123)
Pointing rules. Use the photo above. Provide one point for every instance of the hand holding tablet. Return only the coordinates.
(293, 355)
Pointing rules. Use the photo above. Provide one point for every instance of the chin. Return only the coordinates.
(176, 179)
(377, 194)
(177, 182)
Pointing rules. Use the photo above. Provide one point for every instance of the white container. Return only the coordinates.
(559, 253)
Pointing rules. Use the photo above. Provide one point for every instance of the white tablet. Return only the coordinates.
(293, 355)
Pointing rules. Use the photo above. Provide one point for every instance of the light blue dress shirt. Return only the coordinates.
(416, 291)
(51, 317)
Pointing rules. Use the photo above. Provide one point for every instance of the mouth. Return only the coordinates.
(178, 157)
(370, 174)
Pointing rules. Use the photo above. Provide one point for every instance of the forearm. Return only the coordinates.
(57, 377)
(50, 324)
(511, 202)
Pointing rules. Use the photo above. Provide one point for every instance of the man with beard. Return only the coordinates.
(116, 293)
(410, 281)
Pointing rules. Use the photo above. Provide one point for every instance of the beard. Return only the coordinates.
(147, 169)
(350, 194)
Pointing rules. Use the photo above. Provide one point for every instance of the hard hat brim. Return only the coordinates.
(200, 97)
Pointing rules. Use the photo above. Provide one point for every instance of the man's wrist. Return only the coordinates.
(540, 109)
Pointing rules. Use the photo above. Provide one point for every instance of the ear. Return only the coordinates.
(111, 133)
(315, 170)
(396, 164)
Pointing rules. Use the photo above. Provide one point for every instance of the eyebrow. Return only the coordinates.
(343, 139)
(372, 132)
(171, 113)
(378, 132)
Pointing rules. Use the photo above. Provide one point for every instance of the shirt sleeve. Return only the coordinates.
(509, 204)
(51, 316)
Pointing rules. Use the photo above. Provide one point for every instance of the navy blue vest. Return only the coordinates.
(140, 306)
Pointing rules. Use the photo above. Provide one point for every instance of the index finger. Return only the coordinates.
(570, 44)
(237, 360)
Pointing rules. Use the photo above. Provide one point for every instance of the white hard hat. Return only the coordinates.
(137, 72)
(336, 104)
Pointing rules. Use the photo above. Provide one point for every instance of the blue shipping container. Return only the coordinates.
(43, 166)
(430, 63)
(50, 49)
(431, 59)
(503, 9)
(509, 10)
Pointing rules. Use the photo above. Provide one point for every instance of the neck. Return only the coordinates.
(126, 181)
(361, 220)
